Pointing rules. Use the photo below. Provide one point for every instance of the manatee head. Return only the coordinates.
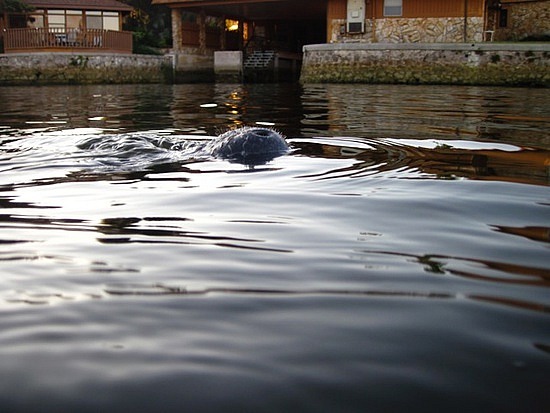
(248, 145)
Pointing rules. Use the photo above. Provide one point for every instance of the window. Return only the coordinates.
(17, 21)
(94, 20)
(105, 20)
(36, 19)
(74, 19)
(62, 20)
(393, 7)
(503, 18)
(231, 25)
(110, 21)
(56, 19)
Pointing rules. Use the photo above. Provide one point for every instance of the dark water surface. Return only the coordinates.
(397, 259)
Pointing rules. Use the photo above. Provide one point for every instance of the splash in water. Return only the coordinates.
(248, 145)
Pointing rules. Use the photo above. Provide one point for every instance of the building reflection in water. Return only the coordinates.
(522, 165)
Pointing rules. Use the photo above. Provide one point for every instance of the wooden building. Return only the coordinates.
(266, 30)
(267, 35)
(406, 21)
(66, 25)
(240, 24)
(435, 21)
(204, 25)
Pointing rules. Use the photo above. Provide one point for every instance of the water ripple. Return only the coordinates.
(398, 253)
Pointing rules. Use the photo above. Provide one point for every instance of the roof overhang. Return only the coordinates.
(521, 1)
(255, 9)
(109, 5)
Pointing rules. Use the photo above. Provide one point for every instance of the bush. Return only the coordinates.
(144, 49)
(536, 38)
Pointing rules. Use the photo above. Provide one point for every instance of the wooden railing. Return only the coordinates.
(39, 39)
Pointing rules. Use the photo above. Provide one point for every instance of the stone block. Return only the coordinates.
(228, 62)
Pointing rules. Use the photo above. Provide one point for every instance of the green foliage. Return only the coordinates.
(14, 6)
(150, 24)
(140, 48)
(536, 38)
(79, 61)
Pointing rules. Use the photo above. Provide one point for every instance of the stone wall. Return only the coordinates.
(192, 65)
(66, 68)
(429, 30)
(529, 19)
(228, 66)
(435, 63)
(410, 30)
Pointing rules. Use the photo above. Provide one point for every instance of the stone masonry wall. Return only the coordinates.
(407, 30)
(430, 30)
(193, 65)
(526, 19)
(65, 68)
(436, 63)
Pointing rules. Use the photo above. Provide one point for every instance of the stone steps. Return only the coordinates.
(260, 60)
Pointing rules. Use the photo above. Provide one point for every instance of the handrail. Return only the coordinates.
(39, 39)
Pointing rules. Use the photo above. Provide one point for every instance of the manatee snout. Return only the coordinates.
(249, 145)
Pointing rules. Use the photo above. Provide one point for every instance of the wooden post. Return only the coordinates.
(202, 31)
(223, 39)
(465, 34)
(241, 34)
(374, 37)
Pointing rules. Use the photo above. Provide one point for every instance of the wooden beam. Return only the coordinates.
(201, 3)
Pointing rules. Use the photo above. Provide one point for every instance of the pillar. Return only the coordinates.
(223, 42)
(201, 20)
(177, 41)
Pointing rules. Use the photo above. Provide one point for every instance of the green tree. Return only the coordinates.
(14, 6)
(150, 24)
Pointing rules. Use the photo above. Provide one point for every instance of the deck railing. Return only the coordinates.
(40, 39)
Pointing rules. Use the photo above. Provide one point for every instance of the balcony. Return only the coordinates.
(31, 40)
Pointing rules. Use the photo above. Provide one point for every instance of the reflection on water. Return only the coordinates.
(396, 257)
(443, 159)
(472, 113)
(533, 233)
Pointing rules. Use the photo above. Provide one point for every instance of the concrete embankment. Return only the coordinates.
(511, 64)
(71, 68)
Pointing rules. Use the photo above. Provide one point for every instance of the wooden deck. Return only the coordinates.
(52, 40)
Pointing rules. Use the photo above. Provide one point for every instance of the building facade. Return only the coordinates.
(206, 25)
(515, 20)
(406, 21)
(65, 25)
